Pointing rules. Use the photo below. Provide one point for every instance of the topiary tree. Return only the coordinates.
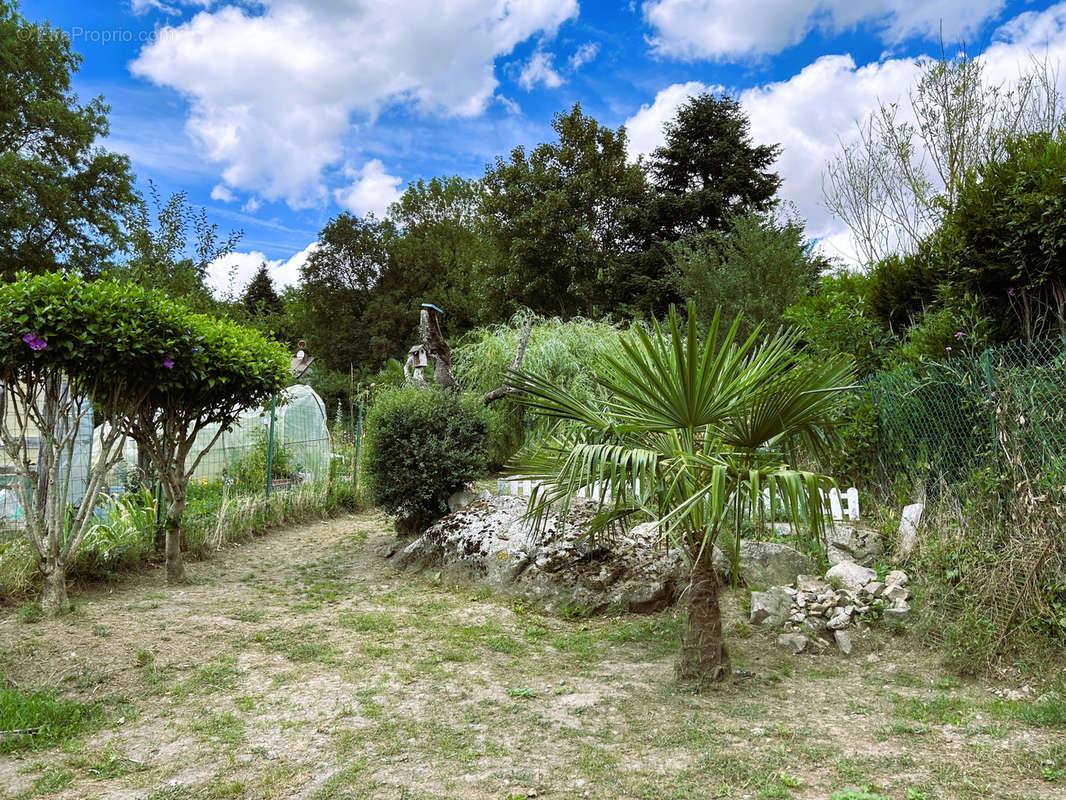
(421, 446)
(67, 346)
(211, 372)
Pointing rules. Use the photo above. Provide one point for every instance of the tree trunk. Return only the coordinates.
(703, 653)
(175, 510)
(54, 600)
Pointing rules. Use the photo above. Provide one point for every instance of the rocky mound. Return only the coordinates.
(488, 542)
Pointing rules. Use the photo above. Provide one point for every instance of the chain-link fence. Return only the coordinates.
(943, 424)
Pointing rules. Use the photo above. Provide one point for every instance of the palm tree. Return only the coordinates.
(692, 434)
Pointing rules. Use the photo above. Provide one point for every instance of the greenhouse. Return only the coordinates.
(300, 430)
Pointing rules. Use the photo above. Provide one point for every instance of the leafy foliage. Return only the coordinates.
(1006, 239)
(836, 317)
(421, 446)
(753, 270)
(62, 197)
(560, 218)
(172, 253)
(49, 718)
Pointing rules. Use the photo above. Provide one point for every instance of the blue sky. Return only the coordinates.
(278, 114)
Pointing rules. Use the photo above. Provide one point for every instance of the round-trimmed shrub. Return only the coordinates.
(421, 446)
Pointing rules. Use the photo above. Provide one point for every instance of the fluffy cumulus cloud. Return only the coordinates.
(729, 29)
(814, 110)
(584, 54)
(222, 193)
(273, 86)
(539, 71)
(372, 189)
(231, 273)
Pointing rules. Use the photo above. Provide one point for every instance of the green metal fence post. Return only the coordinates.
(358, 442)
(270, 446)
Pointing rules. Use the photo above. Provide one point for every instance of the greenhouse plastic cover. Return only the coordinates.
(299, 426)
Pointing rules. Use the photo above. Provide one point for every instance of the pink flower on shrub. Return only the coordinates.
(1010, 291)
(168, 362)
(948, 349)
(958, 336)
(34, 341)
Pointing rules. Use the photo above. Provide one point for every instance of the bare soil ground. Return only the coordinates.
(302, 665)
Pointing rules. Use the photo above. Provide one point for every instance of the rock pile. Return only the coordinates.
(816, 611)
(489, 542)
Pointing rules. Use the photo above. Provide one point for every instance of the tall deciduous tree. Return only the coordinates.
(894, 182)
(338, 282)
(173, 252)
(560, 218)
(441, 253)
(62, 198)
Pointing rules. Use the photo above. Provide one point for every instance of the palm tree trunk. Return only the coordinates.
(704, 658)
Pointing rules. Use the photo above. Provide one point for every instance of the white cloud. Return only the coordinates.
(144, 6)
(222, 193)
(584, 54)
(234, 271)
(273, 87)
(645, 128)
(732, 29)
(252, 205)
(373, 189)
(539, 70)
(811, 112)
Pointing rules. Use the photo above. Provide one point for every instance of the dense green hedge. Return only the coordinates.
(421, 446)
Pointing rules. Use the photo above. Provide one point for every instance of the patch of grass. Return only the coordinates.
(761, 776)
(42, 719)
(226, 728)
(370, 622)
(111, 762)
(171, 793)
(349, 783)
(1048, 711)
(856, 794)
(248, 615)
(661, 637)
(216, 676)
(29, 613)
(936, 710)
(301, 644)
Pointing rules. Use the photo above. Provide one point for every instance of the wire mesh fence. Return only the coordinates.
(943, 424)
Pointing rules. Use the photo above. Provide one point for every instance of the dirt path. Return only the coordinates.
(302, 665)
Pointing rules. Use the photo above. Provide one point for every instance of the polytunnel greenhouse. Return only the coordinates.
(300, 430)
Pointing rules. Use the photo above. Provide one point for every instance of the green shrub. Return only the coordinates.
(421, 446)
